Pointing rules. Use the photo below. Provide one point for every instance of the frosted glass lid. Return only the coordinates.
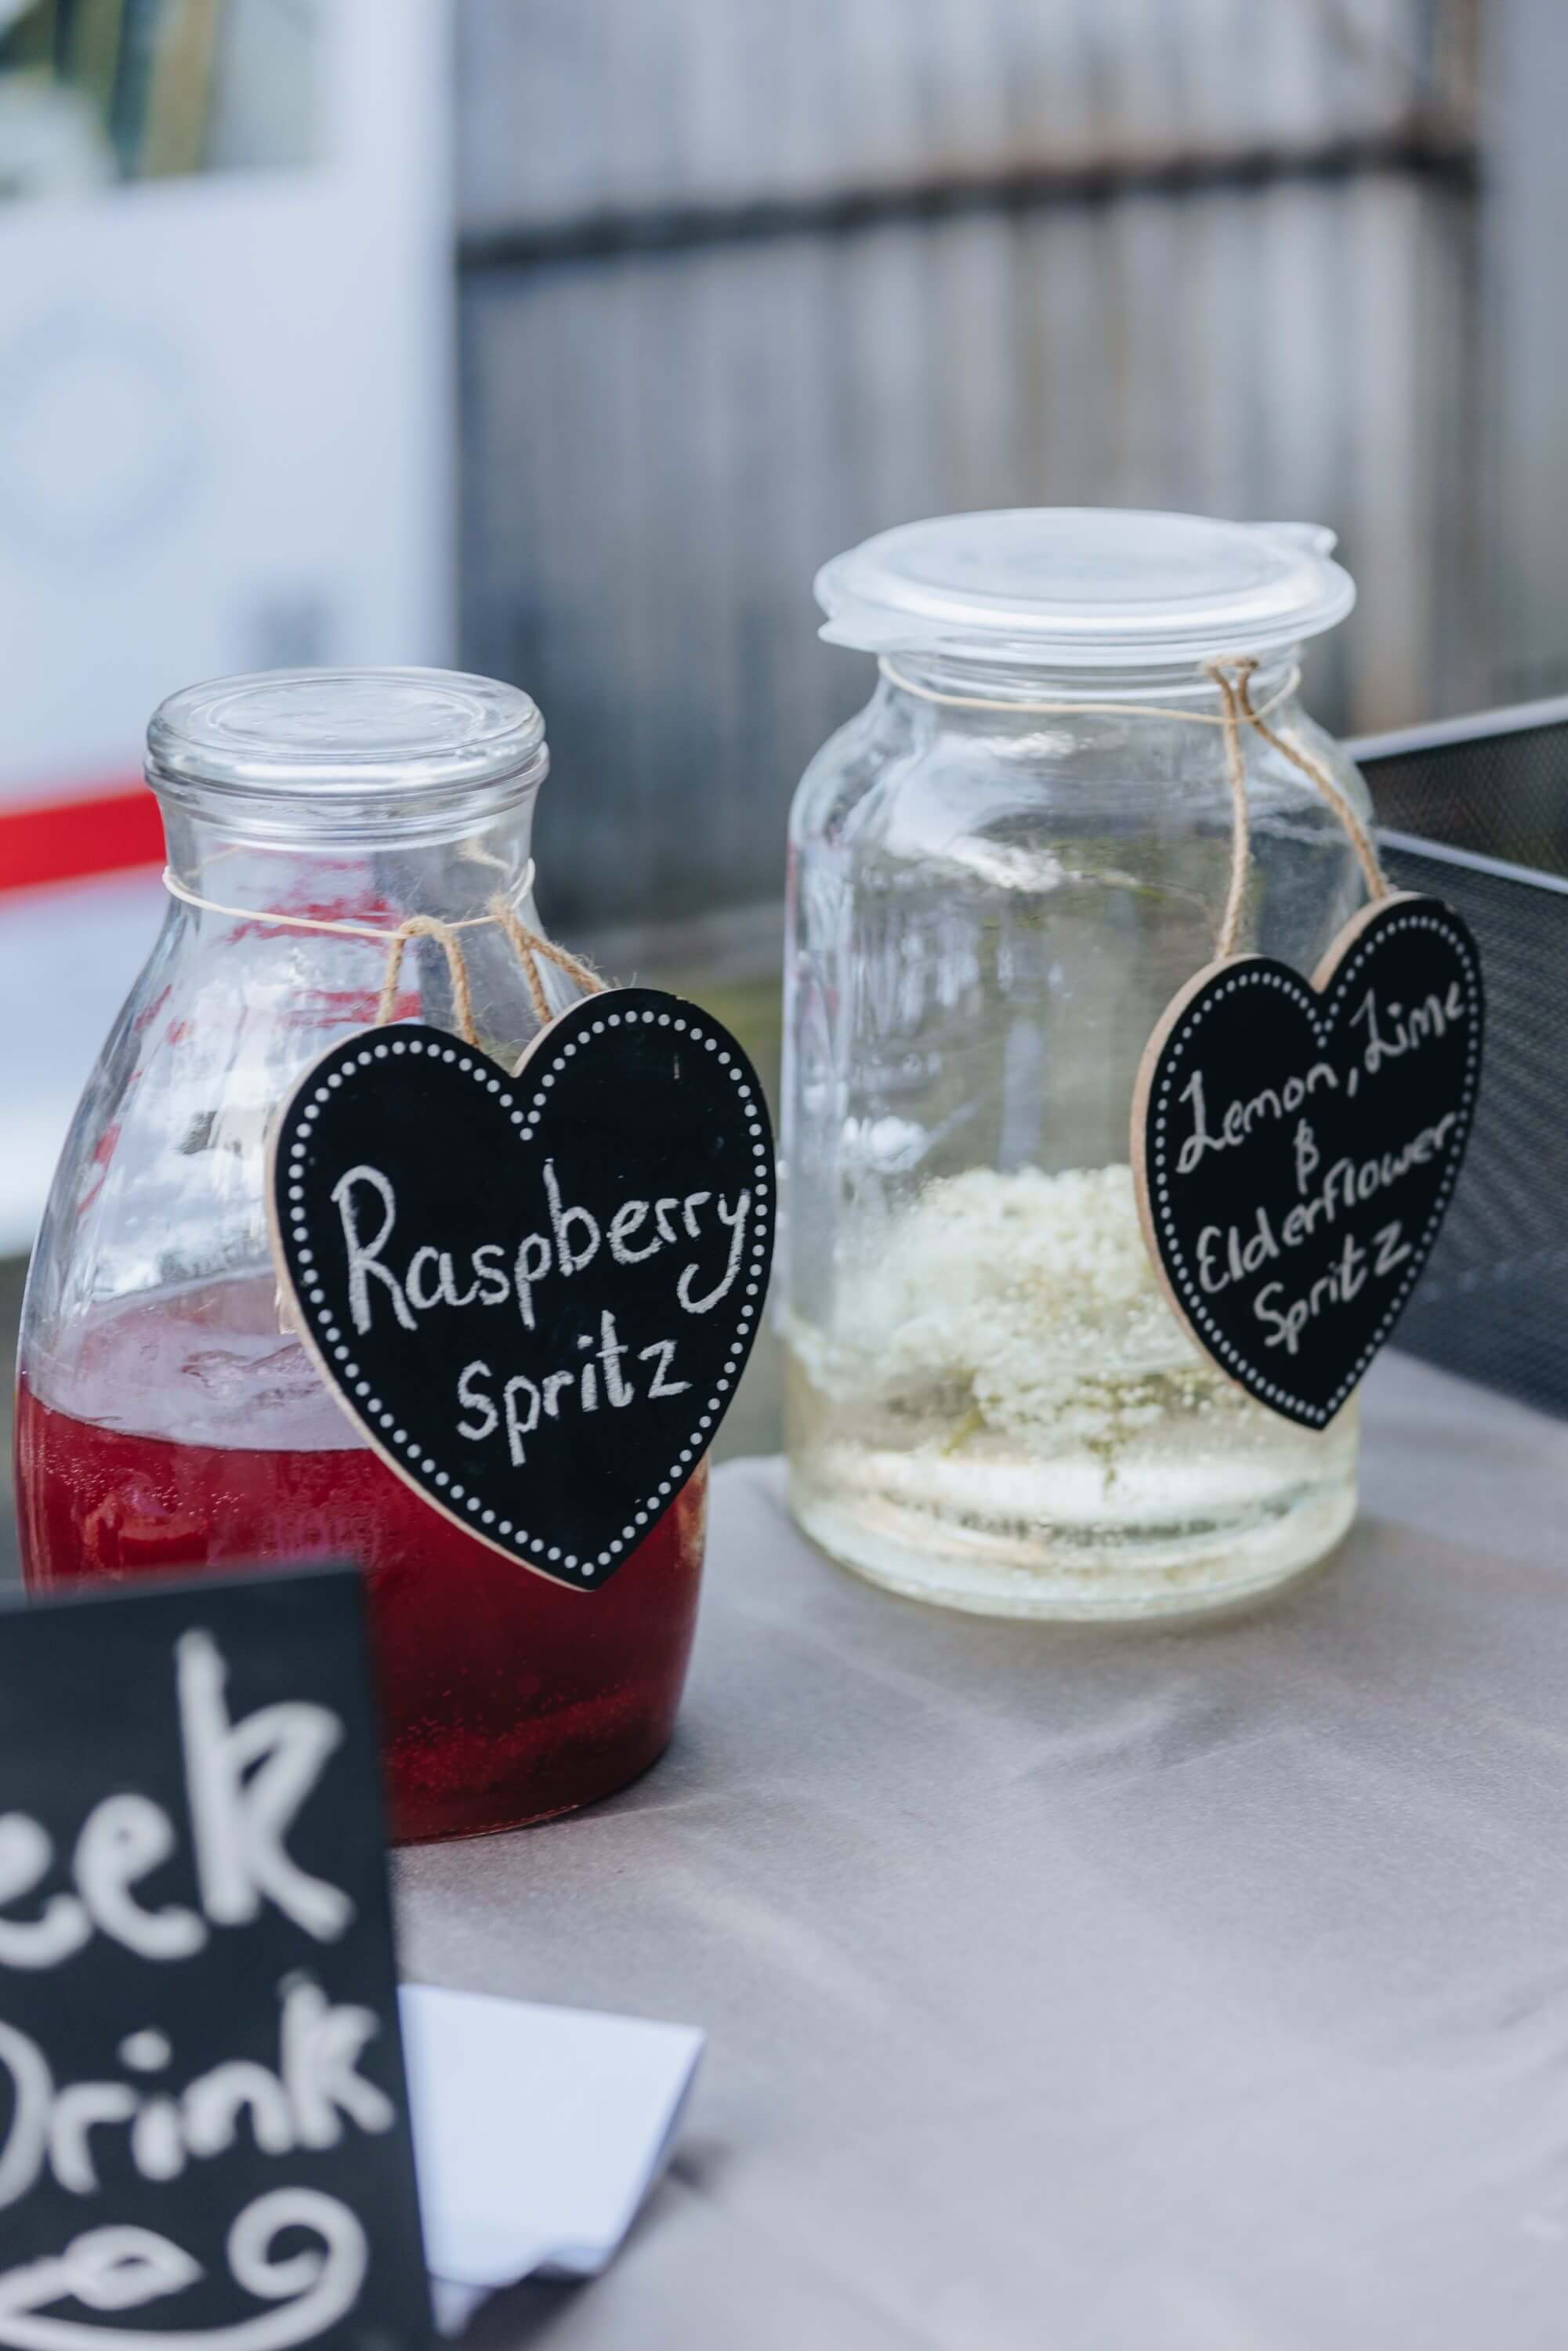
(324, 734)
(1084, 587)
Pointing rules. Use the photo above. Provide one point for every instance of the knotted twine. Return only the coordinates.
(529, 947)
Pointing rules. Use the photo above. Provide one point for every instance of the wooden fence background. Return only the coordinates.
(743, 280)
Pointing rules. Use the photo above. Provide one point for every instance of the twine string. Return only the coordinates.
(1377, 883)
(529, 947)
(276, 920)
(429, 927)
(1230, 693)
(1232, 680)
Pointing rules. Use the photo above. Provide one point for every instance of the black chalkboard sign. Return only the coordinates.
(203, 2132)
(536, 1292)
(1295, 1147)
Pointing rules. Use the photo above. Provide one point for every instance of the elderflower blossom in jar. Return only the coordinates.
(1001, 871)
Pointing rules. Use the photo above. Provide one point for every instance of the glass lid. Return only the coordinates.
(341, 734)
(1084, 587)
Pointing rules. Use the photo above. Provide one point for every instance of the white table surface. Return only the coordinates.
(1182, 1991)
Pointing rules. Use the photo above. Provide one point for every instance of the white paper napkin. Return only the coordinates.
(537, 2132)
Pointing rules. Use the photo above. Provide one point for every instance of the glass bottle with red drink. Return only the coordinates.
(169, 1418)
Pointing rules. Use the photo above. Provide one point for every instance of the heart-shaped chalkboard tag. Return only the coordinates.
(1296, 1147)
(536, 1292)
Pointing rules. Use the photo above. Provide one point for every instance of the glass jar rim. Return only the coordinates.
(1071, 588)
(393, 736)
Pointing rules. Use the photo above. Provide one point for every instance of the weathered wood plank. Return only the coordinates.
(659, 451)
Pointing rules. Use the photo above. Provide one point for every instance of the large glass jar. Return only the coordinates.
(1000, 873)
(169, 1418)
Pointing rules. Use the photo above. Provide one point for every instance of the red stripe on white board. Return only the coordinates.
(114, 831)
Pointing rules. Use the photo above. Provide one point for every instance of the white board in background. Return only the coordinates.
(225, 443)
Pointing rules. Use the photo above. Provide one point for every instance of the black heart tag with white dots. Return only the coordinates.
(534, 1293)
(1295, 1147)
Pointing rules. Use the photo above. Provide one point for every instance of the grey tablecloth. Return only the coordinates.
(1153, 1992)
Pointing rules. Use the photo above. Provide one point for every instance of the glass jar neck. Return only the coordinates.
(953, 685)
(447, 865)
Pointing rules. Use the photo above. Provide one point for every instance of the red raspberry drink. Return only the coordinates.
(183, 1431)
